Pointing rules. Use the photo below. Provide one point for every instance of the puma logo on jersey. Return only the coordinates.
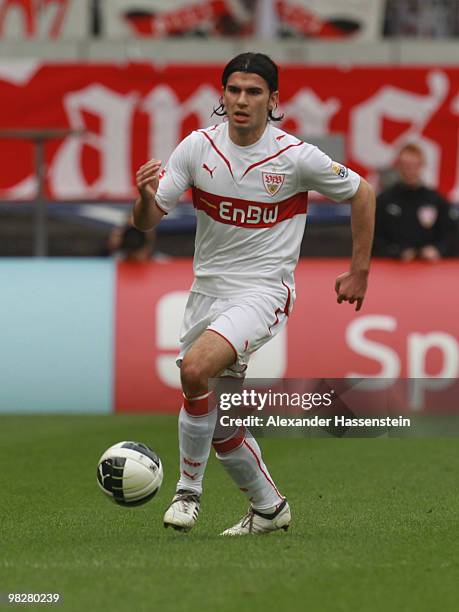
(209, 170)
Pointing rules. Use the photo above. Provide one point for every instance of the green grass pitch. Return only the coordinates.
(375, 525)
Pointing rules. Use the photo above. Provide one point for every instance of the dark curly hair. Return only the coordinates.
(258, 63)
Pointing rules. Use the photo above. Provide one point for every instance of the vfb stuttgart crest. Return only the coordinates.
(273, 182)
(427, 216)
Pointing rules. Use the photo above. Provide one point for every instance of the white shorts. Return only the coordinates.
(246, 323)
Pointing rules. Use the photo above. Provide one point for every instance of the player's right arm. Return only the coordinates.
(147, 213)
(159, 192)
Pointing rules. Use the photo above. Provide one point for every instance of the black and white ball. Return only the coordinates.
(130, 473)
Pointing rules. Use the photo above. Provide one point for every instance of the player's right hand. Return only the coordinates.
(147, 179)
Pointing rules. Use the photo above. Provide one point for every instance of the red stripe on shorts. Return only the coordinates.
(224, 338)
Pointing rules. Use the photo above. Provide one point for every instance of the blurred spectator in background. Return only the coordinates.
(198, 18)
(130, 244)
(422, 18)
(413, 221)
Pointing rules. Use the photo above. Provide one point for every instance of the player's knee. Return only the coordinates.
(194, 377)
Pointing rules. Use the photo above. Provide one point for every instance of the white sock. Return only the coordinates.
(240, 455)
(196, 427)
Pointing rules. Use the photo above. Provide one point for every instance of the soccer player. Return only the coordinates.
(250, 183)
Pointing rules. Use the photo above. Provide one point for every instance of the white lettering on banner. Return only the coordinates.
(18, 71)
(166, 115)
(19, 18)
(268, 362)
(53, 19)
(367, 121)
(27, 188)
(163, 109)
(199, 104)
(113, 144)
(44, 19)
(356, 340)
(418, 346)
(311, 114)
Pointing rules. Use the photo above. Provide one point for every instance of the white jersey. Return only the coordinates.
(251, 205)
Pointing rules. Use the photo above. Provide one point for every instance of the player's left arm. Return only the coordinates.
(352, 285)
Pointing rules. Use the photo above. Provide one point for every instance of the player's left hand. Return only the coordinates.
(351, 287)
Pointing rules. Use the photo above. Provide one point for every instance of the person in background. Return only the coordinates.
(134, 245)
(127, 243)
(413, 221)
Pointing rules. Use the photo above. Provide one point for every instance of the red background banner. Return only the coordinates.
(408, 327)
(135, 111)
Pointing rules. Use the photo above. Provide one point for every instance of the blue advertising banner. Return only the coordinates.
(56, 331)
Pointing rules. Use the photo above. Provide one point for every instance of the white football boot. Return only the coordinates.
(183, 511)
(255, 522)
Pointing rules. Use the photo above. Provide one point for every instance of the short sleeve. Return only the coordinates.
(318, 172)
(177, 175)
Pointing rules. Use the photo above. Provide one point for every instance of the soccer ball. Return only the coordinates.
(130, 473)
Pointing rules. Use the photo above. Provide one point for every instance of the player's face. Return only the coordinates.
(410, 165)
(247, 101)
